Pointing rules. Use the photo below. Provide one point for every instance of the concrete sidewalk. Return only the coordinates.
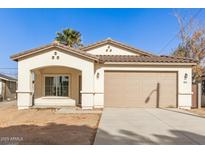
(149, 126)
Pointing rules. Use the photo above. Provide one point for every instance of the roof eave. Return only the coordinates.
(149, 63)
(2, 78)
(116, 43)
(17, 57)
(23, 54)
(86, 56)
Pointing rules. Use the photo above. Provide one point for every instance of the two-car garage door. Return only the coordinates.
(140, 89)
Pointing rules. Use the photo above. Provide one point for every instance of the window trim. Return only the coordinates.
(55, 75)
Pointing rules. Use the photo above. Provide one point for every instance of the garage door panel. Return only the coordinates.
(139, 89)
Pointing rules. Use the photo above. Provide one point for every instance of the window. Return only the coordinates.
(56, 85)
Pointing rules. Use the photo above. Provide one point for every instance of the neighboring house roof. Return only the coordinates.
(7, 78)
(24, 54)
(151, 59)
(116, 44)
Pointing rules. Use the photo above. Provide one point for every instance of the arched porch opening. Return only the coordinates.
(56, 86)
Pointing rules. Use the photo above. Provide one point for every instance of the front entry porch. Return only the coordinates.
(55, 71)
(56, 86)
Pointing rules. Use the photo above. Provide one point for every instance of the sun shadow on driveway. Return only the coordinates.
(126, 138)
(176, 137)
(53, 133)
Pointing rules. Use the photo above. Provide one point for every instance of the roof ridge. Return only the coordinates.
(29, 50)
(97, 42)
(109, 40)
(53, 44)
(76, 49)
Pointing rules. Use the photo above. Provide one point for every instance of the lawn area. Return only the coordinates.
(45, 126)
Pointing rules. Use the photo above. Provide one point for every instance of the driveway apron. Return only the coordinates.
(149, 126)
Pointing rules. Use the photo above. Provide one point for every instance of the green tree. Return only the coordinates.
(69, 37)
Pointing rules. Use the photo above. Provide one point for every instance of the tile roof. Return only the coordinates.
(144, 59)
(117, 44)
(8, 78)
(54, 44)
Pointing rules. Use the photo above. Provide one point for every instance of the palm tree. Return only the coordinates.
(69, 37)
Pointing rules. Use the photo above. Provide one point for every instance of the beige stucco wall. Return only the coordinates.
(112, 50)
(184, 86)
(92, 76)
(66, 59)
(72, 73)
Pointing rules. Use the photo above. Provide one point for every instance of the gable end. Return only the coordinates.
(122, 46)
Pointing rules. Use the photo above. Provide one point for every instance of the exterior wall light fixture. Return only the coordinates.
(98, 75)
(185, 76)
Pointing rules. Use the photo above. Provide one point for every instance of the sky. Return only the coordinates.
(146, 29)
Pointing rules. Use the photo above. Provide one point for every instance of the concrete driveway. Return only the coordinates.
(149, 126)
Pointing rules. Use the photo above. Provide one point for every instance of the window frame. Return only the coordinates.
(56, 75)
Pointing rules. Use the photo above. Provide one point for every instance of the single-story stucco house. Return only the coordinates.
(105, 74)
(7, 87)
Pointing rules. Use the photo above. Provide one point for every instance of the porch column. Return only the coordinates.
(199, 95)
(24, 92)
(87, 93)
(185, 88)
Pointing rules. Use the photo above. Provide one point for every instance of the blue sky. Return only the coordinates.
(147, 29)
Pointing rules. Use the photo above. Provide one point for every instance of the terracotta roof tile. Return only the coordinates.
(107, 58)
(144, 59)
(36, 50)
